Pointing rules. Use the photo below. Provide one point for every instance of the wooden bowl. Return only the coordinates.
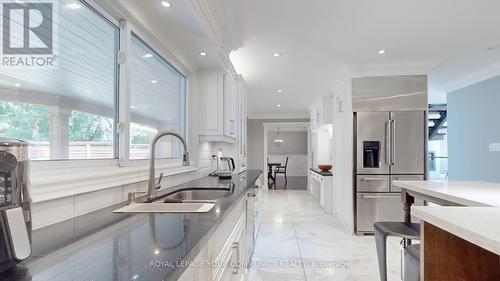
(325, 168)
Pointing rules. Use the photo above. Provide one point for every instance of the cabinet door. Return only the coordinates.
(212, 105)
(242, 128)
(239, 255)
(188, 275)
(230, 106)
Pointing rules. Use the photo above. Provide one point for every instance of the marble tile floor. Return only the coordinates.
(297, 241)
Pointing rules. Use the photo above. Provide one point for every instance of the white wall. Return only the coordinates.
(294, 143)
(473, 117)
(343, 155)
(255, 140)
(322, 147)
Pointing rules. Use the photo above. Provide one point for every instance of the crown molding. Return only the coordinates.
(212, 25)
(422, 67)
(475, 77)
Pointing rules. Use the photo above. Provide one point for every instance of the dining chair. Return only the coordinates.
(281, 169)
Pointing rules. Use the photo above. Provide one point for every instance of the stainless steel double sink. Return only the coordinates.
(186, 200)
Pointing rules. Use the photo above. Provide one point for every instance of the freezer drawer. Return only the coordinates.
(372, 183)
(404, 178)
(372, 207)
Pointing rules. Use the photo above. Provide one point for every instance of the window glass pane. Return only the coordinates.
(157, 103)
(90, 136)
(68, 107)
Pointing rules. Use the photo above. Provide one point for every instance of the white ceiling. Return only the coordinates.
(318, 39)
(179, 28)
(447, 38)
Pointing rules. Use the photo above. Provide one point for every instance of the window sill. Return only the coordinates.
(49, 184)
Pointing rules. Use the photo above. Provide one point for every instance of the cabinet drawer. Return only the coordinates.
(225, 229)
(372, 183)
(404, 178)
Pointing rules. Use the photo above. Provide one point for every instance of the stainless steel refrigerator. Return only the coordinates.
(389, 145)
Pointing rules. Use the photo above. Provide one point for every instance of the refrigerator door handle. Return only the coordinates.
(387, 196)
(387, 142)
(373, 179)
(393, 142)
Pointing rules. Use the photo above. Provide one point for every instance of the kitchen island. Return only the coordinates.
(461, 239)
(103, 245)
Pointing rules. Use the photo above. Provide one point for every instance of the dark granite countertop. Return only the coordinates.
(105, 246)
(325, 174)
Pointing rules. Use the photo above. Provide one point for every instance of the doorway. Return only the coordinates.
(286, 150)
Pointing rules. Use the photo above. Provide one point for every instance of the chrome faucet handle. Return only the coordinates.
(158, 184)
(132, 195)
(185, 159)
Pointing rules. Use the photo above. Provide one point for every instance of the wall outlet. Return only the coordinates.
(495, 147)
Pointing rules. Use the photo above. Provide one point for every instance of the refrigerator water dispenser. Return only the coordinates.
(371, 154)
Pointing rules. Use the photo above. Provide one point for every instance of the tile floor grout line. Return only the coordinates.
(298, 246)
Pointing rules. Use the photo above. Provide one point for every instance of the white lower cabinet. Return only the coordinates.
(223, 257)
(321, 188)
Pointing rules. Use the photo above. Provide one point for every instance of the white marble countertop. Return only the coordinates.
(466, 193)
(478, 225)
(478, 222)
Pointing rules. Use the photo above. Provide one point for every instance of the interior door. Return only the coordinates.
(372, 133)
(408, 142)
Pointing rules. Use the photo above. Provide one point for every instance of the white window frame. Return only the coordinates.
(124, 104)
(56, 178)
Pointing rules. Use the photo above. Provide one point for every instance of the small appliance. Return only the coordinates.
(15, 203)
(226, 168)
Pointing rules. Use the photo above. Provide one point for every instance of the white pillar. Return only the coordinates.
(59, 132)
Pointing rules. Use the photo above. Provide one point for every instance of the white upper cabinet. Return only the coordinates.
(219, 107)
(230, 105)
(321, 113)
(242, 132)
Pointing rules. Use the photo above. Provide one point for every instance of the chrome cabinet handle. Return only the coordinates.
(393, 142)
(387, 142)
(236, 261)
(373, 179)
(380, 196)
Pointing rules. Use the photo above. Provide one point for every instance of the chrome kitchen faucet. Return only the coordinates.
(152, 160)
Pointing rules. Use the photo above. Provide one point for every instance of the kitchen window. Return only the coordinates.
(97, 108)
(157, 102)
(66, 111)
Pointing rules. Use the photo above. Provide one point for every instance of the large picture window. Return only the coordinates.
(67, 111)
(157, 102)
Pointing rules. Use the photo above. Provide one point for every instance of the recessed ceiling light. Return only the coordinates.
(381, 52)
(156, 252)
(17, 85)
(278, 105)
(276, 55)
(148, 55)
(203, 53)
(166, 4)
(154, 81)
(72, 6)
(279, 91)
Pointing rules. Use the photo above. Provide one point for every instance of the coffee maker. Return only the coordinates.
(15, 203)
